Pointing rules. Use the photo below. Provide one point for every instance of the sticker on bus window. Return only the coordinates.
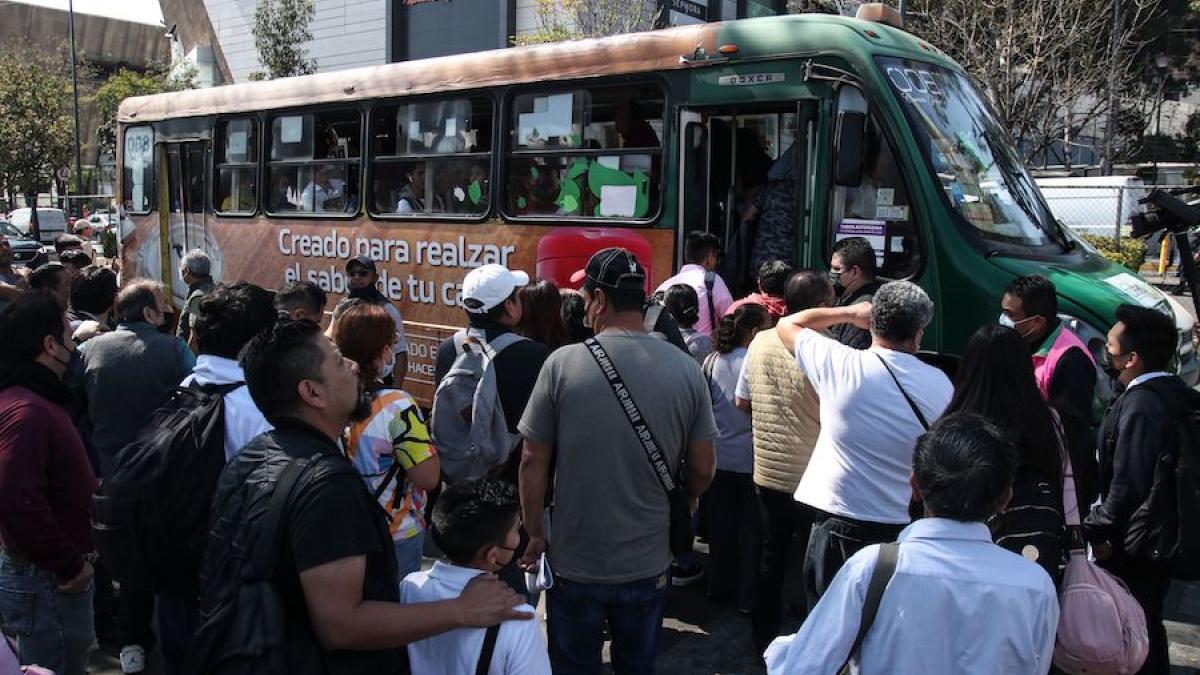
(885, 196)
(291, 129)
(891, 212)
(874, 231)
(550, 120)
(618, 200)
(237, 146)
(451, 127)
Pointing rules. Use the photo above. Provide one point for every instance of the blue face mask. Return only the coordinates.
(389, 366)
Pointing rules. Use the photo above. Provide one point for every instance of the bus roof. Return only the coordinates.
(648, 51)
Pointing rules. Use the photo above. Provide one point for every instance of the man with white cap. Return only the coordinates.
(489, 296)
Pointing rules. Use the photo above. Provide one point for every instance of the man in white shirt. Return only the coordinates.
(874, 405)
(702, 253)
(319, 191)
(226, 319)
(477, 525)
(956, 602)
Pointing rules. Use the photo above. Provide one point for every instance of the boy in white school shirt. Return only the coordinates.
(476, 523)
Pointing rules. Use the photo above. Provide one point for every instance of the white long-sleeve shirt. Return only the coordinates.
(957, 604)
(520, 648)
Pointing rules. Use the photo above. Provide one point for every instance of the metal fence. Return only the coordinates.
(1105, 210)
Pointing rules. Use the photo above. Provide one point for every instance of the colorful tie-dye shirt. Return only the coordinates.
(395, 431)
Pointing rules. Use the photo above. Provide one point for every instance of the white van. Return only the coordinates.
(1095, 204)
(51, 222)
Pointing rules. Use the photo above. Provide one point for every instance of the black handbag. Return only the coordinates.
(681, 537)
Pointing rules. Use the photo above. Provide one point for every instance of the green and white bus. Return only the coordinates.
(538, 156)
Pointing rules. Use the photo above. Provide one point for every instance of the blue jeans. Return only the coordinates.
(53, 629)
(577, 614)
(408, 554)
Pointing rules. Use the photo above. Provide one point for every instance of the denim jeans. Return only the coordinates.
(577, 614)
(178, 619)
(408, 554)
(53, 629)
(833, 540)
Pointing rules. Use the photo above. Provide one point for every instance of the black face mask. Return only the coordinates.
(1106, 363)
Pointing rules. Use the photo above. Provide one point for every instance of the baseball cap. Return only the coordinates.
(613, 268)
(487, 286)
(363, 261)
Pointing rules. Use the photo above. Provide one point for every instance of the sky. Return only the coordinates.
(141, 11)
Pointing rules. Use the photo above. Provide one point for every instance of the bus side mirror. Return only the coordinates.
(850, 144)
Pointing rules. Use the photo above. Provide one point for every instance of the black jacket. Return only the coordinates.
(1136, 431)
(243, 498)
(847, 333)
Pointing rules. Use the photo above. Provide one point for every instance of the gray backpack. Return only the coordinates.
(467, 423)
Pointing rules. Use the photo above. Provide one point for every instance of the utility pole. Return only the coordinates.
(904, 11)
(75, 91)
(1106, 167)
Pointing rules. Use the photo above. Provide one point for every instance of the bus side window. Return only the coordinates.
(235, 163)
(586, 153)
(879, 209)
(314, 164)
(432, 157)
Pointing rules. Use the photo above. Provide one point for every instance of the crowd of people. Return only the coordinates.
(273, 489)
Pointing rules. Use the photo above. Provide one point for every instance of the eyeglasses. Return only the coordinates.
(1106, 357)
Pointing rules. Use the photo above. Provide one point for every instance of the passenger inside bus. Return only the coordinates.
(320, 191)
(412, 193)
(282, 196)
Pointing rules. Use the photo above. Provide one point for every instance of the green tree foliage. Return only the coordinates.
(280, 32)
(36, 127)
(561, 20)
(126, 83)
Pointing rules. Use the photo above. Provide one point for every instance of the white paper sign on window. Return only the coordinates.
(236, 151)
(291, 129)
(618, 201)
(551, 119)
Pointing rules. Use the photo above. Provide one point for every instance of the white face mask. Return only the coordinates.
(389, 366)
(1007, 321)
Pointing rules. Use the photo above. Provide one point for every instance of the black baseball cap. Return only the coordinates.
(615, 268)
(363, 261)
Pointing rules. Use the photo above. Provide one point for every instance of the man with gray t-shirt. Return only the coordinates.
(608, 548)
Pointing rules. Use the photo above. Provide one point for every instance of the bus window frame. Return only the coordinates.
(265, 164)
(371, 158)
(874, 108)
(153, 168)
(259, 165)
(657, 79)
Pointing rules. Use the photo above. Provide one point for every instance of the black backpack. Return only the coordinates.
(1165, 529)
(150, 514)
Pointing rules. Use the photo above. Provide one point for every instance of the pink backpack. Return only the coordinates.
(1101, 627)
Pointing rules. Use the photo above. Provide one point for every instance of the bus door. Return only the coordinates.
(741, 179)
(182, 220)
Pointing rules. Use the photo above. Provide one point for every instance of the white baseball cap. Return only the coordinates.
(488, 286)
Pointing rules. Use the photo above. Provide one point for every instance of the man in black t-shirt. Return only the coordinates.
(852, 273)
(336, 571)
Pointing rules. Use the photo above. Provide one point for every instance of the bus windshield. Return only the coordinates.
(981, 173)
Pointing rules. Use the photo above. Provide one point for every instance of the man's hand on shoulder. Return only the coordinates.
(487, 601)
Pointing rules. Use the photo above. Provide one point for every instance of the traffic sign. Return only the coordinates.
(63, 173)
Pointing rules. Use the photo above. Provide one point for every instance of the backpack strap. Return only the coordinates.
(710, 281)
(911, 403)
(266, 550)
(503, 341)
(710, 362)
(489, 648)
(650, 318)
(885, 568)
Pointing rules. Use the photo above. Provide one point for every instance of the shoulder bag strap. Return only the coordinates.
(912, 404)
(633, 414)
(885, 568)
(266, 550)
(489, 647)
(710, 362)
(710, 280)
